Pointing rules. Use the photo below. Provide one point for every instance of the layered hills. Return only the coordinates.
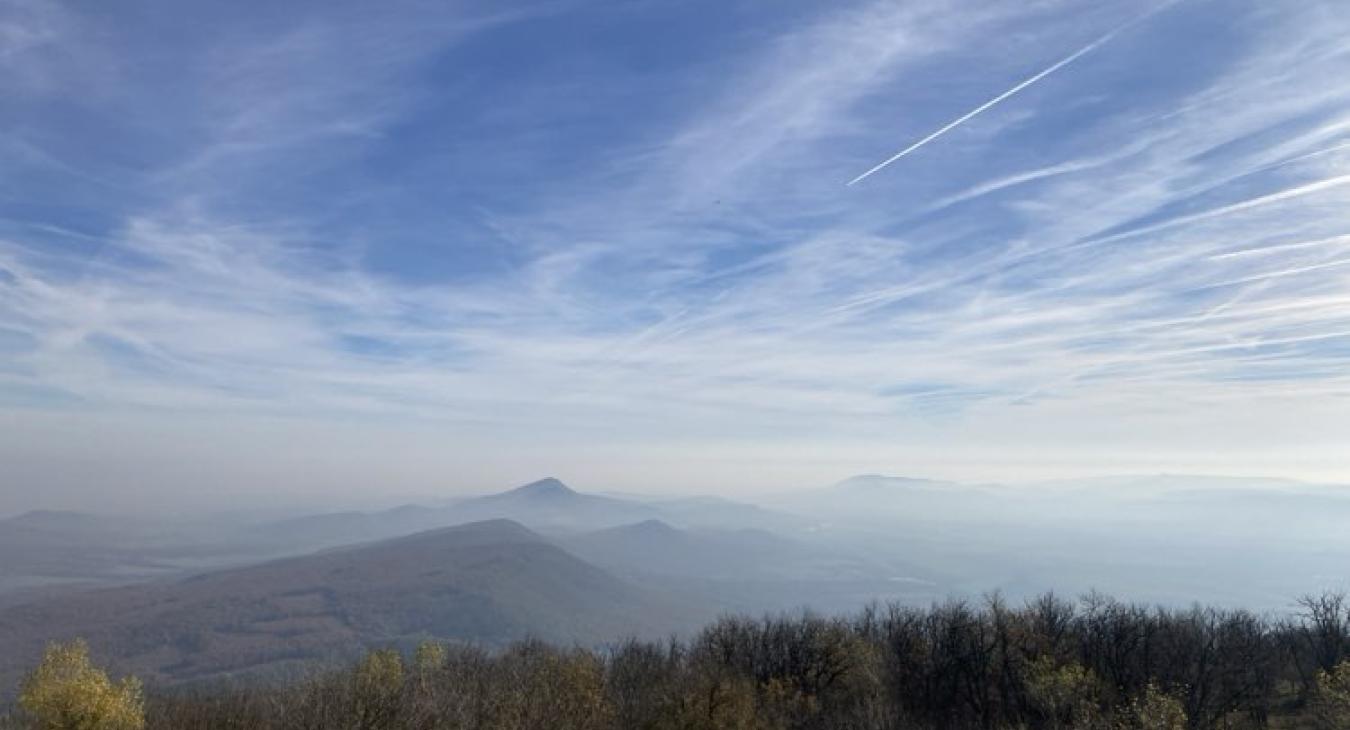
(485, 582)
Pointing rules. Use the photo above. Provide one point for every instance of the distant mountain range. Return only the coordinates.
(547, 505)
(544, 559)
(485, 582)
(1213, 505)
(45, 550)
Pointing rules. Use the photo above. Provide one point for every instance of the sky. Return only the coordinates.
(255, 252)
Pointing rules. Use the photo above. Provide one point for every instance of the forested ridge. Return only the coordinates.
(1093, 663)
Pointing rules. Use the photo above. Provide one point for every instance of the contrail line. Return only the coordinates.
(992, 102)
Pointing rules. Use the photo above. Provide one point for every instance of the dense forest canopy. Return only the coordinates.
(1049, 663)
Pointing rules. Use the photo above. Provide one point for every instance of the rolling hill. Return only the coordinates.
(486, 582)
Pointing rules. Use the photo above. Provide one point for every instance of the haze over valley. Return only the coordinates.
(208, 596)
(898, 365)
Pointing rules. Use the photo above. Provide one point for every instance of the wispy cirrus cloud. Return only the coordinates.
(397, 219)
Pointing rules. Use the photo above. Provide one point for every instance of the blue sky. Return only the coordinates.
(356, 248)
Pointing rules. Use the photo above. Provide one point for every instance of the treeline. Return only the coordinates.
(1093, 664)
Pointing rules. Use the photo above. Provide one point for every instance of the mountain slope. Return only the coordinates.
(487, 582)
(547, 504)
(653, 546)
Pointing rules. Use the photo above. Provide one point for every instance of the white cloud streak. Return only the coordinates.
(1094, 45)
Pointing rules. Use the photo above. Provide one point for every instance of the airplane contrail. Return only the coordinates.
(977, 110)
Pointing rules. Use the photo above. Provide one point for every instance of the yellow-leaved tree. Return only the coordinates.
(1331, 706)
(67, 692)
(1155, 710)
(377, 689)
(1064, 694)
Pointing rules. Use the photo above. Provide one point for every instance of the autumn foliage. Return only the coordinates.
(67, 692)
(1049, 664)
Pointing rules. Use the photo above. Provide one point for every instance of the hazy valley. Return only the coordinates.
(177, 602)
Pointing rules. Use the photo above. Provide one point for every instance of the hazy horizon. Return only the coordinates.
(295, 503)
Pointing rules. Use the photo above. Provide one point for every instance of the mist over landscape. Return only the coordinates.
(195, 597)
(875, 364)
